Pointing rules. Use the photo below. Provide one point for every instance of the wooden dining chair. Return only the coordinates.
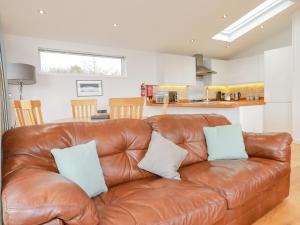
(126, 108)
(28, 112)
(84, 108)
(165, 105)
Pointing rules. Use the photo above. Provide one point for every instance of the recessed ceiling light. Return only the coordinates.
(115, 25)
(41, 11)
(254, 18)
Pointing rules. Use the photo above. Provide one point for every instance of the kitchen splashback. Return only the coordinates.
(181, 90)
(255, 89)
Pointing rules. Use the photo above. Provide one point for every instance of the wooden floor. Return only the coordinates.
(288, 212)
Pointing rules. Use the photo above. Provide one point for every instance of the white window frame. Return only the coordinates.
(123, 63)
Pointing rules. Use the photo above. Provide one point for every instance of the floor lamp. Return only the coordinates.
(21, 74)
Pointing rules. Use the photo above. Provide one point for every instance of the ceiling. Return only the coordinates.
(154, 25)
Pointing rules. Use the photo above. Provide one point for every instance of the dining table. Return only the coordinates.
(94, 118)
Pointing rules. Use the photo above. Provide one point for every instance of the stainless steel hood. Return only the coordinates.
(202, 70)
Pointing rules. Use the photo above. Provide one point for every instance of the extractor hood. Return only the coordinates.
(202, 70)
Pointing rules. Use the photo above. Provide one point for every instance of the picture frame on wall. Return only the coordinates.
(87, 88)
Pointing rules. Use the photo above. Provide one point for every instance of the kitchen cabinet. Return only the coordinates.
(252, 118)
(246, 70)
(278, 66)
(221, 67)
(238, 71)
(278, 117)
(176, 70)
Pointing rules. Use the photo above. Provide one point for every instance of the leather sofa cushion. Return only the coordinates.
(154, 201)
(121, 144)
(187, 132)
(237, 180)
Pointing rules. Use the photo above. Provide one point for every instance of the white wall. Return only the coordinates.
(296, 78)
(56, 91)
(282, 39)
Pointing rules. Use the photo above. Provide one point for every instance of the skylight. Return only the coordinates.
(254, 18)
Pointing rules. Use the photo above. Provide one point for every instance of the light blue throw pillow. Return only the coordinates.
(81, 165)
(225, 142)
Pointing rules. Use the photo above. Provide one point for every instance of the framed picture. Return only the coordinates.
(89, 88)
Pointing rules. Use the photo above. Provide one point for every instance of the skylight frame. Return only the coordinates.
(254, 18)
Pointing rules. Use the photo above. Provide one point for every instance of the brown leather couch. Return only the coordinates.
(232, 192)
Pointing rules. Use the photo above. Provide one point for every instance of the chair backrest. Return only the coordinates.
(84, 108)
(165, 106)
(126, 108)
(28, 112)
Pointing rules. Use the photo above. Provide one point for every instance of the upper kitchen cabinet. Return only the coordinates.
(247, 70)
(176, 70)
(238, 71)
(221, 67)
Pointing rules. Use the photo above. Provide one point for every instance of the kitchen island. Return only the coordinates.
(247, 113)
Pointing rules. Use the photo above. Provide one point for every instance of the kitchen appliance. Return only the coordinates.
(219, 96)
(236, 96)
(172, 96)
(227, 96)
(252, 98)
(160, 96)
(201, 69)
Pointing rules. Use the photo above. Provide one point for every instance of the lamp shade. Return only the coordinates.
(19, 73)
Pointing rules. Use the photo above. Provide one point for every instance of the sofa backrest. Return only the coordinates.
(187, 132)
(121, 144)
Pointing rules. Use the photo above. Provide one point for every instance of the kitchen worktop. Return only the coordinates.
(211, 104)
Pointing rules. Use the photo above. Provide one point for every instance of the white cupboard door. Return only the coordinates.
(278, 65)
(176, 70)
(251, 118)
(278, 117)
(245, 70)
(238, 71)
(221, 67)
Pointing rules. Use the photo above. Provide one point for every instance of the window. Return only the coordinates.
(254, 18)
(67, 62)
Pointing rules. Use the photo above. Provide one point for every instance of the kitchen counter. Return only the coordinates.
(211, 104)
(249, 114)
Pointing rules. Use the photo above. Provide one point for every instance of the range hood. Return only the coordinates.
(202, 70)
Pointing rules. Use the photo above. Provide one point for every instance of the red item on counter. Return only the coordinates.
(149, 91)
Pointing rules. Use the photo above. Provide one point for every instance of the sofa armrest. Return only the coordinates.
(275, 146)
(34, 196)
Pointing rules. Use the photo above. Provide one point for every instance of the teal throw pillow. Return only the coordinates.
(225, 142)
(81, 165)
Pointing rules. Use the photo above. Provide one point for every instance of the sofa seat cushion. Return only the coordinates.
(237, 180)
(160, 201)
